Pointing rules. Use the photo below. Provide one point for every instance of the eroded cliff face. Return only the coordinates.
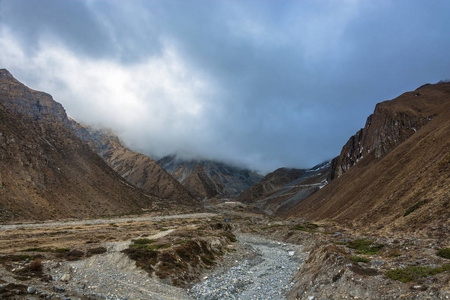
(386, 128)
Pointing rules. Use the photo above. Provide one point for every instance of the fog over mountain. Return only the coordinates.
(263, 84)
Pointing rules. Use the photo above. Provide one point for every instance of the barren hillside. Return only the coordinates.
(282, 189)
(397, 169)
(46, 171)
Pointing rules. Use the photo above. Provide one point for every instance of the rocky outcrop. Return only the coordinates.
(209, 179)
(31, 104)
(386, 128)
(138, 169)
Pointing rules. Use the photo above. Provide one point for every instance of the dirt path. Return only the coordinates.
(106, 221)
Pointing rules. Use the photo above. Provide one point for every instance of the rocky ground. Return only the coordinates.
(196, 258)
(260, 269)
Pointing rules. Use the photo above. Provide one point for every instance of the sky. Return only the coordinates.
(259, 84)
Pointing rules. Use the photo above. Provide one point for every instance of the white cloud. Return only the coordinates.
(159, 99)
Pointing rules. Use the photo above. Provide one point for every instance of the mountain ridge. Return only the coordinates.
(409, 165)
(207, 179)
(46, 171)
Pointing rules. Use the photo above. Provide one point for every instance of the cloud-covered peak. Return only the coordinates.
(259, 83)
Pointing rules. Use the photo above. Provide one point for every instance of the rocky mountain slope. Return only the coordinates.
(394, 174)
(209, 179)
(284, 188)
(138, 169)
(46, 171)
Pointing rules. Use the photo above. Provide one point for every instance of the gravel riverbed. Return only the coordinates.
(261, 269)
(258, 269)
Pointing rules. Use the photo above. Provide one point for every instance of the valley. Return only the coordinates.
(84, 217)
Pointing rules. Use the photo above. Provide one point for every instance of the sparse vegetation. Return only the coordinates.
(308, 227)
(272, 226)
(207, 260)
(363, 246)
(339, 243)
(231, 237)
(357, 259)
(411, 273)
(143, 241)
(445, 253)
(413, 208)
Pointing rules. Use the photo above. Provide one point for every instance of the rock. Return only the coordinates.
(65, 278)
(291, 253)
(59, 289)
(31, 290)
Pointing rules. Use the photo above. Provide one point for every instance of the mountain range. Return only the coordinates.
(393, 174)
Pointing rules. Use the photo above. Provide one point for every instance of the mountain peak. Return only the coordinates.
(5, 73)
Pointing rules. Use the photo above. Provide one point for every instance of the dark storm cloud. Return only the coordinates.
(260, 83)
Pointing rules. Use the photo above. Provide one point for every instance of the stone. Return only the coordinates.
(31, 290)
(65, 278)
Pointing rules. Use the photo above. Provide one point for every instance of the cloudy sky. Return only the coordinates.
(262, 84)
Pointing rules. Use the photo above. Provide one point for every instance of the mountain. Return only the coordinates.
(394, 174)
(46, 171)
(138, 169)
(207, 179)
(282, 189)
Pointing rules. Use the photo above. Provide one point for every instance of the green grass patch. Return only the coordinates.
(339, 243)
(411, 273)
(357, 259)
(413, 208)
(61, 250)
(308, 227)
(363, 246)
(272, 226)
(445, 253)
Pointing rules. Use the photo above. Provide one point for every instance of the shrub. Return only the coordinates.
(445, 253)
